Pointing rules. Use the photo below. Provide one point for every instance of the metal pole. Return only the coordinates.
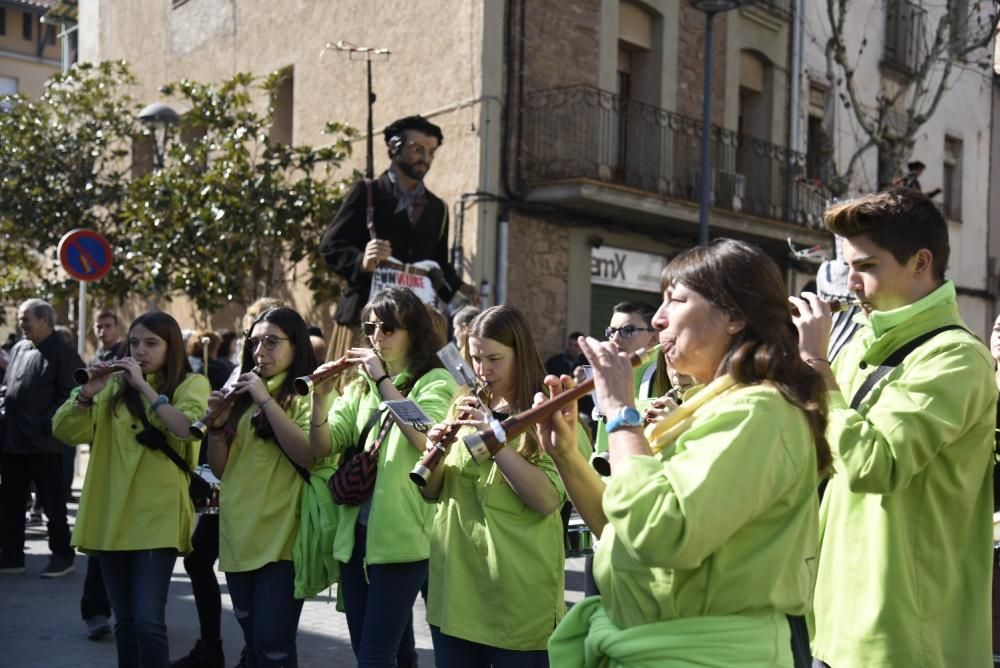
(81, 319)
(369, 159)
(706, 136)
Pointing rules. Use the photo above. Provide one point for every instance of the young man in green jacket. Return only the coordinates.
(906, 547)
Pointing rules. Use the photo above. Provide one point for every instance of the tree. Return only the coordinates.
(231, 216)
(920, 60)
(233, 213)
(63, 165)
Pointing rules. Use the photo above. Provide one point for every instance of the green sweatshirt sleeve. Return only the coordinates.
(344, 431)
(729, 466)
(909, 419)
(434, 393)
(191, 399)
(72, 426)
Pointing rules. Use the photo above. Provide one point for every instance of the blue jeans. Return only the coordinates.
(452, 652)
(137, 583)
(379, 607)
(268, 612)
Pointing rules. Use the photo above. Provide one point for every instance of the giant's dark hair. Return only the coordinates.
(507, 325)
(743, 282)
(402, 309)
(303, 363)
(175, 366)
(394, 133)
(900, 220)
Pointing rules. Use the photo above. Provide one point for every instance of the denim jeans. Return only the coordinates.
(200, 567)
(137, 583)
(452, 652)
(379, 607)
(268, 612)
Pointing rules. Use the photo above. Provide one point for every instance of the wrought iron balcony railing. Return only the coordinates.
(585, 132)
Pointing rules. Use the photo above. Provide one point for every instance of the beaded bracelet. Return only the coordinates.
(264, 403)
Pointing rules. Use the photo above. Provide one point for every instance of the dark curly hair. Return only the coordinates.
(394, 134)
(743, 282)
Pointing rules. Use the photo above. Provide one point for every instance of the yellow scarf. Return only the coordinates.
(662, 434)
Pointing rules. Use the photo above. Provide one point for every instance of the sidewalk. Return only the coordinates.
(40, 621)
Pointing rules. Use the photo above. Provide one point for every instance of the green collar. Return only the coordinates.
(274, 382)
(882, 321)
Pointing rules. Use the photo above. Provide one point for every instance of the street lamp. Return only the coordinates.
(158, 117)
(711, 8)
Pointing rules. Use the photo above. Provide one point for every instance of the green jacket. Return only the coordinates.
(722, 523)
(134, 498)
(399, 524)
(906, 522)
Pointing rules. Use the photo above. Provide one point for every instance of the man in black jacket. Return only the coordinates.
(39, 379)
(411, 223)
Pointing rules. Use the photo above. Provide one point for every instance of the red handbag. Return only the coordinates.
(354, 480)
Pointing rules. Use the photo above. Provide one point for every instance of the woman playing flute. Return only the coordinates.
(383, 543)
(709, 528)
(259, 450)
(135, 512)
(497, 555)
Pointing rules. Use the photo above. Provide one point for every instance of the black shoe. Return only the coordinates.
(58, 567)
(204, 655)
(98, 627)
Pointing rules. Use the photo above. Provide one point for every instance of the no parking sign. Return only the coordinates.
(85, 254)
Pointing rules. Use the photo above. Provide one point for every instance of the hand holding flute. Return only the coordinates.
(438, 440)
(219, 404)
(324, 372)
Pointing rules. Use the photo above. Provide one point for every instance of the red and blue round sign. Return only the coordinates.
(85, 254)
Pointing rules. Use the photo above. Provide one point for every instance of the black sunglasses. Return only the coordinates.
(368, 328)
(270, 341)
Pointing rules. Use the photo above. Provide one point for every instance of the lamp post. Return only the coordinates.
(711, 8)
(158, 117)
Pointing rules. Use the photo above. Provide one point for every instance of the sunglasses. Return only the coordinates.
(269, 341)
(368, 328)
(626, 332)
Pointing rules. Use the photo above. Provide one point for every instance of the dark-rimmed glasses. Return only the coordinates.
(626, 332)
(368, 328)
(269, 341)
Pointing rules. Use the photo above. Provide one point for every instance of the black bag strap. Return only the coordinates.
(372, 419)
(166, 449)
(894, 360)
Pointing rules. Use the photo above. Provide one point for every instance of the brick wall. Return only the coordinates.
(691, 63)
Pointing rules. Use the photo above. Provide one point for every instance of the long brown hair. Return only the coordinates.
(175, 366)
(505, 324)
(402, 309)
(743, 282)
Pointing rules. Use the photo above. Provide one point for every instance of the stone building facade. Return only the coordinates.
(573, 130)
(29, 52)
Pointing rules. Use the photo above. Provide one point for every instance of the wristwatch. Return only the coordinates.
(627, 417)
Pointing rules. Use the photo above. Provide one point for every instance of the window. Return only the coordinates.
(27, 25)
(8, 86)
(952, 185)
(3, 21)
(755, 96)
(817, 139)
(284, 105)
(50, 35)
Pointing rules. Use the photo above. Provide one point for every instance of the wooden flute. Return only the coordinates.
(836, 305)
(436, 450)
(87, 374)
(200, 428)
(304, 384)
(487, 442)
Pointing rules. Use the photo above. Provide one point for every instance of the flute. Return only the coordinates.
(200, 428)
(436, 450)
(836, 305)
(487, 442)
(304, 384)
(87, 374)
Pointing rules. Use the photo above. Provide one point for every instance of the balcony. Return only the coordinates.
(904, 32)
(582, 132)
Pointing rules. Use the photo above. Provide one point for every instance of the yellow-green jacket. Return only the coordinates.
(134, 498)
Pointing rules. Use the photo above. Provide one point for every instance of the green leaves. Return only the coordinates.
(231, 216)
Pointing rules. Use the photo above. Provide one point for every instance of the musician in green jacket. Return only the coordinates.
(906, 528)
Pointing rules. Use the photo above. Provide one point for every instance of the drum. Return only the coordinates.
(581, 541)
(212, 506)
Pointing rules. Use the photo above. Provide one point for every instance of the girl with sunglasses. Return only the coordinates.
(135, 512)
(383, 543)
(497, 553)
(259, 449)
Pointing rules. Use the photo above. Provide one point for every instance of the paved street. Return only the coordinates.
(40, 621)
